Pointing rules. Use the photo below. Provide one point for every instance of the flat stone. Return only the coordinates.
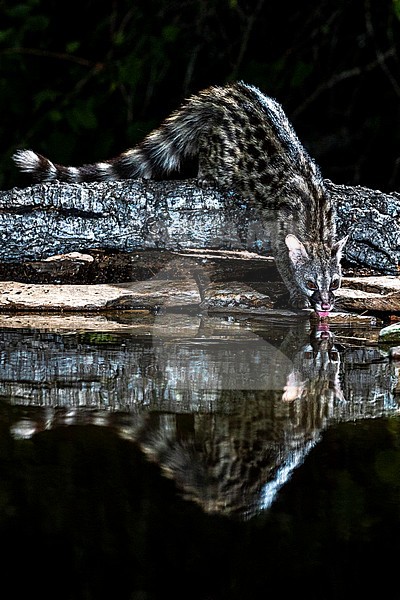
(140, 295)
(395, 353)
(374, 284)
(221, 296)
(391, 333)
(235, 296)
(380, 294)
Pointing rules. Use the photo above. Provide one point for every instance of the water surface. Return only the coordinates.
(201, 457)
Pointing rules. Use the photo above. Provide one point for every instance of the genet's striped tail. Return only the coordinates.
(41, 169)
(160, 153)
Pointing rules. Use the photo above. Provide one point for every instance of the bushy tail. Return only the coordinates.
(41, 169)
(160, 153)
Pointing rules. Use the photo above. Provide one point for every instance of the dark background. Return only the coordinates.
(83, 81)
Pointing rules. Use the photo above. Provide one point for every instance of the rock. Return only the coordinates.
(235, 296)
(380, 294)
(153, 294)
(394, 353)
(391, 333)
(142, 295)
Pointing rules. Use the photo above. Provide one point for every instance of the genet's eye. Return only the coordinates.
(311, 285)
(335, 284)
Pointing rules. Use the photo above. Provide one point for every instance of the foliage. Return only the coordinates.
(83, 81)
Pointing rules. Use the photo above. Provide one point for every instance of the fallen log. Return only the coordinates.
(49, 219)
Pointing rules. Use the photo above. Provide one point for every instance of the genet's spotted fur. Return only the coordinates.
(244, 142)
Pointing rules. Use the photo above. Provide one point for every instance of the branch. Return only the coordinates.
(342, 76)
(55, 55)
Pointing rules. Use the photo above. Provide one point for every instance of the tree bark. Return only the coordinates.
(132, 215)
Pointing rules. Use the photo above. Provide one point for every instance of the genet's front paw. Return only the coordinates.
(206, 183)
(298, 301)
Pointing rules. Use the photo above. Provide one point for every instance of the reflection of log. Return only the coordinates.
(49, 219)
(191, 392)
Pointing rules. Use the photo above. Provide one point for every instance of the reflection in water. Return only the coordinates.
(227, 410)
(314, 380)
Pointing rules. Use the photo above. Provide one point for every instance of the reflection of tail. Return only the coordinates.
(179, 459)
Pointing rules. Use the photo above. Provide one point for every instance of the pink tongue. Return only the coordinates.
(323, 313)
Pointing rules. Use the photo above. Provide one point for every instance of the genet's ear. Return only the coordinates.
(338, 247)
(297, 252)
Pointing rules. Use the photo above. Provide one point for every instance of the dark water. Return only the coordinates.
(201, 458)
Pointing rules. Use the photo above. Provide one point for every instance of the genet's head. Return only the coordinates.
(317, 271)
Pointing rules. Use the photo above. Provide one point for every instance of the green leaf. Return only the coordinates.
(170, 33)
(301, 73)
(19, 11)
(119, 38)
(396, 8)
(44, 96)
(55, 115)
(6, 35)
(129, 70)
(38, 23)
(82, 116)
(72, 47)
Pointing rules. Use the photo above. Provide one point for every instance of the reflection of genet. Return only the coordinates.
(236, 463)
(205, 400)
(244, 143)
(316, 369)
